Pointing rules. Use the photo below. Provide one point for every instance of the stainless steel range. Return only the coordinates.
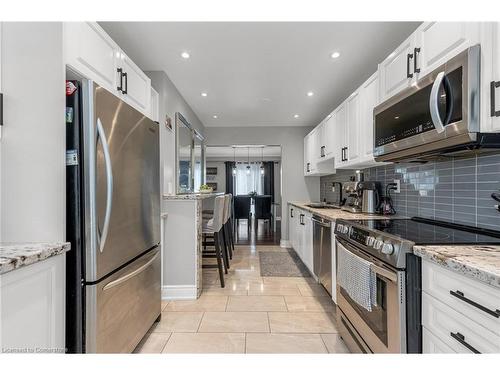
(393, 323)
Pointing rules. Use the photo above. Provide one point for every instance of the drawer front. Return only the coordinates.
(462, 334)
(462, 294)
(432, 345)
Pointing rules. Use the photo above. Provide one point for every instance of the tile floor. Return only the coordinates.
(252, 314)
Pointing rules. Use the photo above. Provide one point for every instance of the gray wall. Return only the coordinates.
(33, 144)
(457, 190)
(295, 187)
(171, 101)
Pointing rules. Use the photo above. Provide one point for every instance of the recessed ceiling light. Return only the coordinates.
(296, 116)
(214, 116)
(204, 94)
(335, 54)
(185, 55)
(310, 93)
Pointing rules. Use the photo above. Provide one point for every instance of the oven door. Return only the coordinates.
(440, 111)
(383, 330)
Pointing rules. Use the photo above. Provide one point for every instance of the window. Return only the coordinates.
(247, 182)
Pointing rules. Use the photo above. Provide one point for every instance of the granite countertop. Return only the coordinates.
(480, 262)
(17, 255)
(193, 196)
(335, 213)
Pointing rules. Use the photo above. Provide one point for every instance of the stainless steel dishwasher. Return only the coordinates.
(322, 251)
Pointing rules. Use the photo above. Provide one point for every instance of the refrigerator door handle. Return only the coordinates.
(109, 182)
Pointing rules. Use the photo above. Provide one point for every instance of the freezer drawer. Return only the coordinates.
(121, 308)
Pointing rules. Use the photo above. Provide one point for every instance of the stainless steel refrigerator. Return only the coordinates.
(113, 221)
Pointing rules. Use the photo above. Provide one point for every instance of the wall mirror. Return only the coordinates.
(190, 156)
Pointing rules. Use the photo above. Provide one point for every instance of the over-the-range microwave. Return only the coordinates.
(436, 116)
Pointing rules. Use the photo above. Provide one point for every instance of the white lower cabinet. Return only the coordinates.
(459, 311)
(431, 344)
(32, 307)
(301, 235)
(334, 265)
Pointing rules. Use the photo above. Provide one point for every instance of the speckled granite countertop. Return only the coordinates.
(194, 196)
(335, 213)
(17, 255)
(481, 262)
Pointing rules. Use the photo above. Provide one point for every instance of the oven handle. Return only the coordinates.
(392, 276)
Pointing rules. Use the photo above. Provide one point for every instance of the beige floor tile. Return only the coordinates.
(204, 303)
(268, 289)
(284, 343)
(288, 280)
(302, 322)
(256, 303)
(206, 343)
(234, 322)
(153, 343)
(309, 290)
(164, 304)
(216, 290)
(334, 343)
(309, 304)
(184, 321)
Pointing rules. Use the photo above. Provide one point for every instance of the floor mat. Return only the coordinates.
(282, 264)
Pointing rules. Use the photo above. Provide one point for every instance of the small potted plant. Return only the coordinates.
(253, 194)
(206, 189)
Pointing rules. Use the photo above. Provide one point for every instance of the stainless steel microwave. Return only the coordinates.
(437, 115)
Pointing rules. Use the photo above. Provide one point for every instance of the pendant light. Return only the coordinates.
(262, 169)
(248, 160)
(234, 161)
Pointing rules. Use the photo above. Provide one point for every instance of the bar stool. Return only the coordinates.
(213, 227)
(229, 226)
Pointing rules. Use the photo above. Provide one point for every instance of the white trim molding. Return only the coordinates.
(174, 292)
(285, 243)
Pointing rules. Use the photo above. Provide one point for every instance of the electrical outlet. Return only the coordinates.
(398, 186)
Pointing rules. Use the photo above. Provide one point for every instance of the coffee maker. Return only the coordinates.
(353, 194)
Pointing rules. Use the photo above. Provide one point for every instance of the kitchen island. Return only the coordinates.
(182, 244)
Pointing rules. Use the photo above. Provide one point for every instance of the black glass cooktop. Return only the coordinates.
(431, 232)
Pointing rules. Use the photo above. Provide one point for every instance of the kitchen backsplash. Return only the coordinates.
(457, 190)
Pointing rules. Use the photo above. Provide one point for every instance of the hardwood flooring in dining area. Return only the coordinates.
(252, 314)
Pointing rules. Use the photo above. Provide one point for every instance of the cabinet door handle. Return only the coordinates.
(346, 155)
(460, 295)
(126, 83)
(416, 51)
(342, 154)
(120, 72)
(1, 109)
(322, 151)
(408, 57)
(493, 86)
(461, 339)
(291, 212)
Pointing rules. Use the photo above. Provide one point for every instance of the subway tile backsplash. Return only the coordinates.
(457, 190)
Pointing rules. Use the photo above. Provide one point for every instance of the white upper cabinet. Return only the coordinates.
(329, 136)
(369, 94)
(490, 77)
(340, 122)
(91, 52)
(352, 151)
(437, 42)
(155, 105)
(314, 164)
(396, 71)
(136, 86)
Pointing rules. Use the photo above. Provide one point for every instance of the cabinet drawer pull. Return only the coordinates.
(408, 57)
(493, 86)
(120, 73)
(460, 295)
(291, 212)
(322, 151)
(461, 339)
(416, 51)
(126, 83)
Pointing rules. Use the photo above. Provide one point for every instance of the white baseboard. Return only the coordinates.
(285, 243)
(175, 292)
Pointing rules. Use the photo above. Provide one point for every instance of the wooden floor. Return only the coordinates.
(257, 234)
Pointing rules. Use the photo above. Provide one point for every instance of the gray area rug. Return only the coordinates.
(282, 264)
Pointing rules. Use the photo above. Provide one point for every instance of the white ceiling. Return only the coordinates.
(241, 152)
(258, 74)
